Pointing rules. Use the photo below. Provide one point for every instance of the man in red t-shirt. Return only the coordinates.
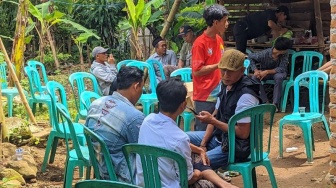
(206, 53)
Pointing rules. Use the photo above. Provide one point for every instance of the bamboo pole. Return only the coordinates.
(17, 83)
(170, 18)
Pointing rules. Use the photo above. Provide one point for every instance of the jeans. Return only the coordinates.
(214, 149)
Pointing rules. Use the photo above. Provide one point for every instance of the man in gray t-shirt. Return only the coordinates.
(186, 32)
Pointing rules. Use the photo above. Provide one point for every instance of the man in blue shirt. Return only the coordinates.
(117, 121)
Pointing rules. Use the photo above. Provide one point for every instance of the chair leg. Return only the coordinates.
(53, 150)
(254, 178)
(247, 179)
(326, 126)
(69, 174)
(285, 97)
(88, 172)
(307, 136)
(10, 105)
(46, 154)
(281, 138)
(271, 175)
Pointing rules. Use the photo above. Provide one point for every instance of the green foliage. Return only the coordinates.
(2, 59)
(62, 58)
(18, 134)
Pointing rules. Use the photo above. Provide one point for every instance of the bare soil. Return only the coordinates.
(290, 171)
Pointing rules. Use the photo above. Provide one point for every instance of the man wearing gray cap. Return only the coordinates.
(104, 69)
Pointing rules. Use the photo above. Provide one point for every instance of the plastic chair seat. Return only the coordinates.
(84, 150)
(312, 116)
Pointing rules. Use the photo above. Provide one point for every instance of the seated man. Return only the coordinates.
(104, 69)
(272, 66)
(117, 121)
(188, 35)
(238, 93)
(161, 130)
(166, 57)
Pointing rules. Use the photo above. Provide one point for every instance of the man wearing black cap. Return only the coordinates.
(188, 35)
(103, 67)
(257, 24)
(166, 57)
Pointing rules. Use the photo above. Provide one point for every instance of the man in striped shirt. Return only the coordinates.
(271, 64)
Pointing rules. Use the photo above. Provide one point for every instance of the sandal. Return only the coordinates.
(224, 176)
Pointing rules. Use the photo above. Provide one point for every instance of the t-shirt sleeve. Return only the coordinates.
(244, 102)
(198, 57)
(183, 148)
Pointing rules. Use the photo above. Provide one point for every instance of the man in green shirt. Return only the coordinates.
(188, 35)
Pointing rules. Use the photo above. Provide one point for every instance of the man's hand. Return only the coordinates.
(205, 117)
(205, 158)
(262, 74)
(256, 73)
(111, 59)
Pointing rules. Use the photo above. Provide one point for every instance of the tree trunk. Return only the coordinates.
(81, 59)
(17, 83)
(17, 57)
(88, 54)
(170, 18)
(53, 49)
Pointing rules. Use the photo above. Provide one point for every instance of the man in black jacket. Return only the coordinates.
(238, 93)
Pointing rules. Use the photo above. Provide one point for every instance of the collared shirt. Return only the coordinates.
(264, 58)
(118, 122)
(161, 131)
(105, 75)
(166, 59)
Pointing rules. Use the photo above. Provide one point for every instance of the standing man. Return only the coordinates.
(238, 93)
(206, 53)
(272, 66)
(188, 35)
(104, 69)
(166, 57)
(257, 24)
(117, 121)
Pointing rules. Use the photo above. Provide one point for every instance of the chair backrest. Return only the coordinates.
(124, 63)
(34, 82)
(248, 51)
(103, 184)
(98, 150)
(149, 159)
(256, 113)
(185, 73)
(64, 115)
(311, 80)
(152, 79)
(79, 78)
(57, 93)
(87, 97)
(157, 65)
(39, 66)
(246, 65)
(308, 56)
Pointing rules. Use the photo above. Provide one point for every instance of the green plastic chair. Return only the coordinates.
(9, 93)
(149, 158)
(157, 65)
(87, 97)
(79, 78)
(186, 76)
(98, 149)
(39, 66)
(305, 120)
(147, 99)
(124, 63)
(184, 73)
(103, 184)
(258, 156)
(59, 131)
(38, 94)
(307, 65)
(79, 155)
(246, 65)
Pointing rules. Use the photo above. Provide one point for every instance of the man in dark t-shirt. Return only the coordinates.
(258, 23)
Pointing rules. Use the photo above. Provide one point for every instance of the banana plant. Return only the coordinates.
(138, 17)
(47, 20)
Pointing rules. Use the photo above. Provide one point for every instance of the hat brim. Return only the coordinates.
(229, 68)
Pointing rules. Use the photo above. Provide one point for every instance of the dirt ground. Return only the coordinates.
(290, 171)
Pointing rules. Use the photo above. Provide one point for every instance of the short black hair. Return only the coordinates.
(214, 12)
(171, 94)
(282, 43)
(157, 40)
(128, 75)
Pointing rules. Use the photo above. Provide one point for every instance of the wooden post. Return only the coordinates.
(319, 29)
(17, 83)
